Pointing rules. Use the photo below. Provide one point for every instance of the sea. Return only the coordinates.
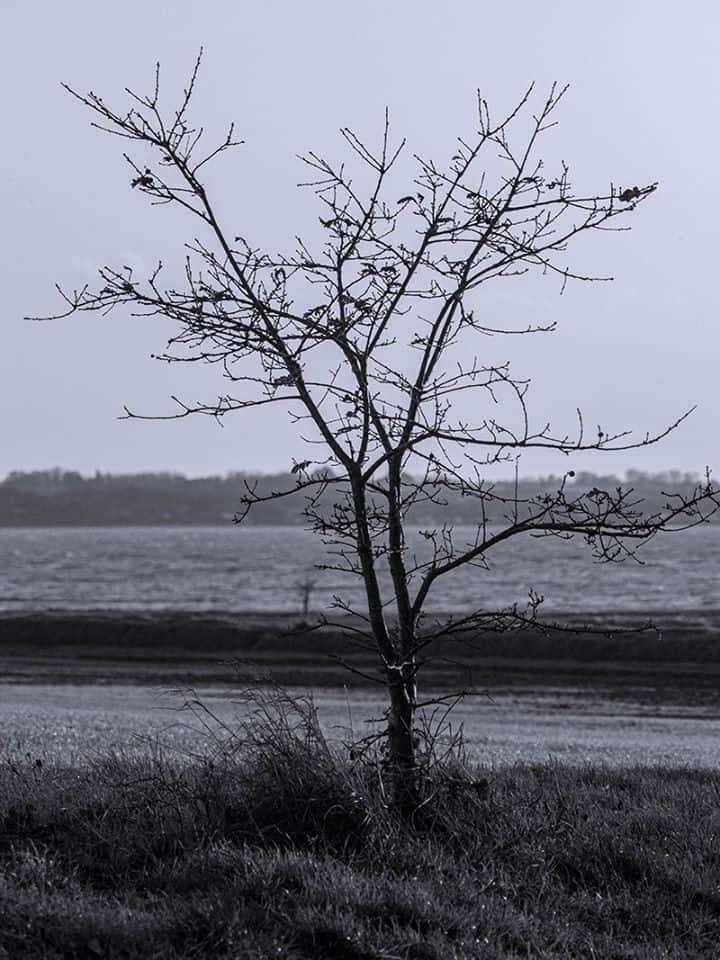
(271, 569)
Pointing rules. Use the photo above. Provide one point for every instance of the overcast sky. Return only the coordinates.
(643, 106)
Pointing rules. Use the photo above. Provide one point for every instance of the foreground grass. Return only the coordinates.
(275, 846)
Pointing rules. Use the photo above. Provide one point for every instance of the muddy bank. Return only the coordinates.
(682, 656)
(677, 636)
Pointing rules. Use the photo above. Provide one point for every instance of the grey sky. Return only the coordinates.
(643, 106)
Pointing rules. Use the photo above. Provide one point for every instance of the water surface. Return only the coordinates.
(261, 568)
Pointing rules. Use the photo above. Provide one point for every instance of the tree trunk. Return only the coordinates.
(402, 760)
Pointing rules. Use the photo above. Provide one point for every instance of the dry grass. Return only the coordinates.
(275, 844)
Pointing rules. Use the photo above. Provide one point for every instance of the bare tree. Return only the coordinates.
(368, 337)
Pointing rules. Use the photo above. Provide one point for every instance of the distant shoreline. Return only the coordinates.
(58, 498)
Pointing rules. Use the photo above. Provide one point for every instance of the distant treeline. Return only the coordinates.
(55, 498)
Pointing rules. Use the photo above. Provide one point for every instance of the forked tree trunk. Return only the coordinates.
(398, 656)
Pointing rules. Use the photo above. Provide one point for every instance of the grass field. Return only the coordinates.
(281, 847)
(70, 723)
(584, 822)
